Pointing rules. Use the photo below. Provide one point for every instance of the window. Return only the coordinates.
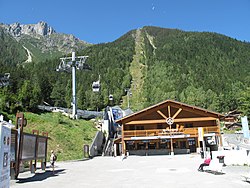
(183, 144)
(140, 128)
(188, 125)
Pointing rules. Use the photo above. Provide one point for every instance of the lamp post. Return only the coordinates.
(72, 63)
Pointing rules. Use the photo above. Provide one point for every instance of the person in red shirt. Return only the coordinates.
(205, 163)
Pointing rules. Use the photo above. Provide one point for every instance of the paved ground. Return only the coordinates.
(135, 171)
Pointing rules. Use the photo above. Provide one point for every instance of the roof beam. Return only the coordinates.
(177, 113)
(169, 112)
(159, 112)
(180, 120)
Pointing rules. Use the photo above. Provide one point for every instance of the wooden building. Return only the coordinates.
(169, 126)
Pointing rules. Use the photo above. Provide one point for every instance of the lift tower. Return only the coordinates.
(69, 64)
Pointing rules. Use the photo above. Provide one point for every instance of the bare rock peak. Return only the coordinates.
(41, 28)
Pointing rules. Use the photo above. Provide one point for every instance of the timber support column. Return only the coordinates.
(220, 137)
(123, 142)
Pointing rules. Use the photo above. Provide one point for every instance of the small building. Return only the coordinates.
(231, 120)
(168, 127)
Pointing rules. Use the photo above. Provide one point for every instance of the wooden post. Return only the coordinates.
(123, 143)
(33, 166)
(19, 125)
(220, 137)
(43, 163)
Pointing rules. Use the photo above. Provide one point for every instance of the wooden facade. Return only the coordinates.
(169, 126)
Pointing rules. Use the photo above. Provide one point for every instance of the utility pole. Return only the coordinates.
(72, 63)
(74, 103)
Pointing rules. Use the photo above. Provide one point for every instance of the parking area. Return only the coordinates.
(134, 171)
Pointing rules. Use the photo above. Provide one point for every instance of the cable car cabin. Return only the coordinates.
(111, 97)
(4, 79)
(96, 86)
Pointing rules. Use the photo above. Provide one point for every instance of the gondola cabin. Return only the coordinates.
(96, 86)
(111, 97)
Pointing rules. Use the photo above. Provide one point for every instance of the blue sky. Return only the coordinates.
(98, 21)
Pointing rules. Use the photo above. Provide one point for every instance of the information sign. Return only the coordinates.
(5, 136)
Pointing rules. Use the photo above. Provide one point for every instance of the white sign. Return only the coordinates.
(200, 133)
(169, 121)
(5, 136)
(245, 127)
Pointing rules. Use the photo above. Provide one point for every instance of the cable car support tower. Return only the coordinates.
(68, 64)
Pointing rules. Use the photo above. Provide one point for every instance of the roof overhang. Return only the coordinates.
(165, 104)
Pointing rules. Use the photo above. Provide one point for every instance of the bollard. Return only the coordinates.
(43, 165)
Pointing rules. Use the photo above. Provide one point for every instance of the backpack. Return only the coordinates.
(55, 157)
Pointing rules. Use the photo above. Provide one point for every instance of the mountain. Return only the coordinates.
(205, 69)
(209, 70)
(41, 41)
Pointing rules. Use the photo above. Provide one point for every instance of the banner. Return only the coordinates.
(5, 136)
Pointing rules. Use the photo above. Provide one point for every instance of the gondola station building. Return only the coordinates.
(169, 127)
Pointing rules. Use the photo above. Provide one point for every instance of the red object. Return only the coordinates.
(207, 161)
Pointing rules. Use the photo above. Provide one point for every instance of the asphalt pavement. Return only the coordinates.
(134, 171)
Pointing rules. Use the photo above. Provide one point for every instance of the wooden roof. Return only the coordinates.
(170, 108)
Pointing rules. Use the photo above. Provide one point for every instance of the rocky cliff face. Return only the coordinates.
(34, 30)
(42, 40)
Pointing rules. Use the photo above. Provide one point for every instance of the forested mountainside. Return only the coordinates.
(205, 69)
(208, 70)
(11, 52)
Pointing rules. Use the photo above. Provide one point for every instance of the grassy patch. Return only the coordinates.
(67, 136)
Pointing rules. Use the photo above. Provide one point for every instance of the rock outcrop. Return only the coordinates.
(34, 30)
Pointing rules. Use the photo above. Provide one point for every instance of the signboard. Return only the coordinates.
(29, 147)
(200, 133)
(41, 153)
(5, 136)
(245, 127)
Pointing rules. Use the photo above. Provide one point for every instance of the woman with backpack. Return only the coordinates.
(53, 158)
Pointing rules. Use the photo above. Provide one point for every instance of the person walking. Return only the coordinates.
(53, 158)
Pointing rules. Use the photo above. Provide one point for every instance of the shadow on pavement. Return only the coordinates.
(40, 176)
(214, 172)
